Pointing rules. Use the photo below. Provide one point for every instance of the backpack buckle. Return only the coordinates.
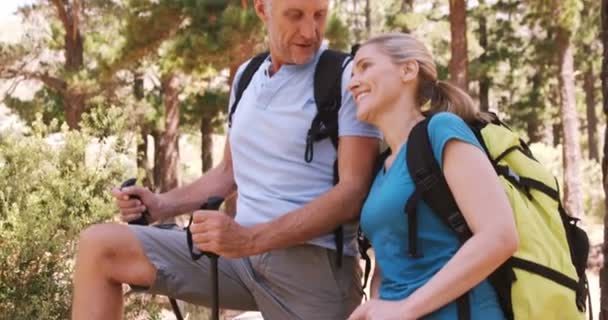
(310, 138)
(513, 175)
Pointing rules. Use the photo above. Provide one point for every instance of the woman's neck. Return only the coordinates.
(397, 123)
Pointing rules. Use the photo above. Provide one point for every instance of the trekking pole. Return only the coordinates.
(213, 203)
(144, 221)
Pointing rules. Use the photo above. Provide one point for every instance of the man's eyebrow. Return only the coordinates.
(292, 11)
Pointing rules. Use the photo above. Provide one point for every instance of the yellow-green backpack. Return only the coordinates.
(545, 278)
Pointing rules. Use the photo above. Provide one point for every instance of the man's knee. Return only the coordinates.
(116, 252)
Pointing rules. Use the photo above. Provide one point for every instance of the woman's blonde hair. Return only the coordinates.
(402, 47)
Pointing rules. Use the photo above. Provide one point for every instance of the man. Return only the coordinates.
(278, 254)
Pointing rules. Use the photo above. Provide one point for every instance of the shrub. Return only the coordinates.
(49, 192)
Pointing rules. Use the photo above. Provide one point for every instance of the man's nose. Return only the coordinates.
(308, 29)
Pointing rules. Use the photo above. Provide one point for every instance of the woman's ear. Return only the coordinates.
(409, 71)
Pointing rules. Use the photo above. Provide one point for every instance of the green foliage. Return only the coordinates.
(51, 187)
(45, 102)
(211, 105)
(337, 33)
(216, 40)
(557, 13)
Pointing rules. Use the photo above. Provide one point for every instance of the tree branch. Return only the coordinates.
(48, 80)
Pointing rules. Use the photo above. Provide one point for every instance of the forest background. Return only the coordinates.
(94, 91)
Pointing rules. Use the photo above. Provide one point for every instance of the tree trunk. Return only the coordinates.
(458, 27)
(73, 106)
(533, 123)
(142, 142)
(73, 51)
(142, 158)
(604, 77)
(73, 101)
(206, 144)
(573, 193)
(356, 28)
(484, 80)
(557, 134)
(590, 100)
(169, 146)
(368, 17)
(230, 202)
(157, 171)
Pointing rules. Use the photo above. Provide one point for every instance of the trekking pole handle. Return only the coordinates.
(213, 203)
(144, 220)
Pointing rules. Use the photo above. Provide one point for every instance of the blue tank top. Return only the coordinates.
(385, 224)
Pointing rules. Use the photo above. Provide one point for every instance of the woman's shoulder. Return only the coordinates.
(446, 126)
(446, 120)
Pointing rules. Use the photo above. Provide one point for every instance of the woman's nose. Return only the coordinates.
(353, 84)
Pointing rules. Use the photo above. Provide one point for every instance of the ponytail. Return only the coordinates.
(450, 98)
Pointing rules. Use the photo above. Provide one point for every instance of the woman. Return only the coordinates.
(393, 78)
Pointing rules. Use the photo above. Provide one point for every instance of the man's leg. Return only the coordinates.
(108, 255)
(155, 259)
(304, 282)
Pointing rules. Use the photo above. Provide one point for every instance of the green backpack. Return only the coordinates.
(545, 278)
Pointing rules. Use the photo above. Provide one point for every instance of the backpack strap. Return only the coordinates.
(328, 99)
(432, 187)
(430, 182)
(244, 81)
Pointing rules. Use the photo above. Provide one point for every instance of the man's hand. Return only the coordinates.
(214, 231)
(132, 209)
(375, 309)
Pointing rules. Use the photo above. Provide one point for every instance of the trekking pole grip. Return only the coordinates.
(144, 219)
(213, 203)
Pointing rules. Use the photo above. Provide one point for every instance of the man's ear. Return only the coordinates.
(409, 70)
(260, 10)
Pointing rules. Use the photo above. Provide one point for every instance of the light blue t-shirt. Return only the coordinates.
(268, 143)
(384, 222)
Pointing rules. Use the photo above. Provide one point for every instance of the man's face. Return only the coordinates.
(295, 28)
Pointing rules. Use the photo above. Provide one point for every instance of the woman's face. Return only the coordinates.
(376, 82)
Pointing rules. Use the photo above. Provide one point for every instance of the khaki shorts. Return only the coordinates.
(301, 282)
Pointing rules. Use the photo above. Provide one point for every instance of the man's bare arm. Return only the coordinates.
(342, 204)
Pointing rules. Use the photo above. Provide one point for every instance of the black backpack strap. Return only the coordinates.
(432, 187)
(244, 81)
(431, 183)
(412, 223)
(464, 307)
(328, 98)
